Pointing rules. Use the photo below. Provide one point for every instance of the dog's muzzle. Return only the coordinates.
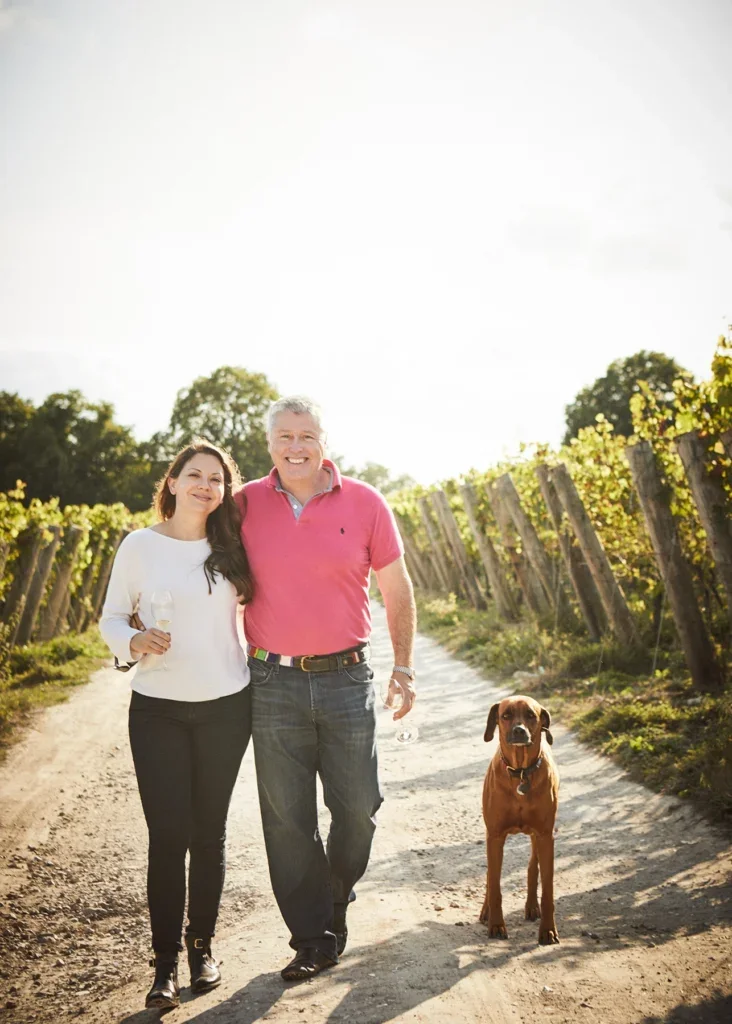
(519, 736)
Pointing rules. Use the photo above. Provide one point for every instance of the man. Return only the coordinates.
(313, 537)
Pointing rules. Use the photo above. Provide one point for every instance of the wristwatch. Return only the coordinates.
(405, 670)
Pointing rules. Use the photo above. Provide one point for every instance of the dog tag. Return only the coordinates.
(523, 787)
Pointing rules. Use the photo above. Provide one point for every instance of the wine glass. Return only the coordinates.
(162, 609)
(391, 700)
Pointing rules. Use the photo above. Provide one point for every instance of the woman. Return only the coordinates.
(190, 716)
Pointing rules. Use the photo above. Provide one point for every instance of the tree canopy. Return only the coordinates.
(68, 448)
(611, 393)
(73, 449)
(228, 408)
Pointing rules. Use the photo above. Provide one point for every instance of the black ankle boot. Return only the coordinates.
(205, 973)
(339, 926)
(165, 993)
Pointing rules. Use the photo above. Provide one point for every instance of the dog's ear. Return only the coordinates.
(491, 724)
(546, 721)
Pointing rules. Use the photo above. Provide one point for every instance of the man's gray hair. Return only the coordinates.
(294, 403)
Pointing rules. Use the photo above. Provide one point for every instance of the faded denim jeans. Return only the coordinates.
(305, 724)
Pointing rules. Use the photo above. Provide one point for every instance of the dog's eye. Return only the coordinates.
(530, 714)
(506, 714)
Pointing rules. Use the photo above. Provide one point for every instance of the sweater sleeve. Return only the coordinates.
(120, 602)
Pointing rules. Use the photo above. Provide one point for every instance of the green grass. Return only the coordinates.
(38, 675)
(649, 719)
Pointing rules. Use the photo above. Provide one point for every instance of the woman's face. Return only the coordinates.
(200, 487)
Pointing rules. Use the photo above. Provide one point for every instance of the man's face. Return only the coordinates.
(297, 447)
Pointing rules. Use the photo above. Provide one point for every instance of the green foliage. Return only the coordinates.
(600, 470)
(611, 394)
(228, 408)
(71, 449)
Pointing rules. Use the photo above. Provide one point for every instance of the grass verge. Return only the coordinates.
(647, 717)
(38, 675)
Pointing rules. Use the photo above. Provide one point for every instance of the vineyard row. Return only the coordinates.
(605, 538)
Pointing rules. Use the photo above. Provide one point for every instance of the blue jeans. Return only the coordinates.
(306, 724)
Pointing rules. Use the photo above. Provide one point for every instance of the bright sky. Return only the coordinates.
(442, 218)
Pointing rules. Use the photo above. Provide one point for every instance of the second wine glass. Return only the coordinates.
(162, 609)
(406, 732)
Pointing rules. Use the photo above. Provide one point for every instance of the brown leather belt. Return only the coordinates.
(312, 662)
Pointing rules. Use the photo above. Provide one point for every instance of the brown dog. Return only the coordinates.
(520, 794)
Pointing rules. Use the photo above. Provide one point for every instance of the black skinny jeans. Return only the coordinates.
(187, 756)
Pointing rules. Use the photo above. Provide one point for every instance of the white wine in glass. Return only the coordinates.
(162, 609)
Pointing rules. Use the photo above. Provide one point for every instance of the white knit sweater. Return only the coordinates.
(206, 659)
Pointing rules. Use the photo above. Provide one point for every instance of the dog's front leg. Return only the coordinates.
(548, 934)
(531, 910)
(492, 911)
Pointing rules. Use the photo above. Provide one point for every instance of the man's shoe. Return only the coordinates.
(165, 992)
(308, 962)
(205, 973)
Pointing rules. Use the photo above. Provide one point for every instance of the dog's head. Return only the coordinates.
(520, 720)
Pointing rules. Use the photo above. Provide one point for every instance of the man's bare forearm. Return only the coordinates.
(401, 611)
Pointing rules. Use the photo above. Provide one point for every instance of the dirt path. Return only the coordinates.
(644, 901)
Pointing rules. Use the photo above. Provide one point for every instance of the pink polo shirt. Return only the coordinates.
(311, 574)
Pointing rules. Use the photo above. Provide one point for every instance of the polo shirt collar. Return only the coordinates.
(273, 480)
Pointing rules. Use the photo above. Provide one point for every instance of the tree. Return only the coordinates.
(611, 394)
(72, 449)
(228, 408)
(15, 415)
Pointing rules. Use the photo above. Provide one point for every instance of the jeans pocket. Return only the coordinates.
(260, 671)
(361, 673)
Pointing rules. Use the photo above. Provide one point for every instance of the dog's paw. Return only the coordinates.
(532, 911)
(548, 936)
(497, 930)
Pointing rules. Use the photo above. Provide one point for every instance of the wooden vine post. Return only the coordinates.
(455, 541)
(413, 559)
(533, 547)
(37, 587)
(727, 442)
(78, 605)
(454, 568)
(505, 603)
(577, 569)
(64, 615)
(102, 580)
(612, 597)
(532, 590)
(51, 619)
(440, 562)
(714, 509)
(4, 552)
(661, 524)
(29, 548)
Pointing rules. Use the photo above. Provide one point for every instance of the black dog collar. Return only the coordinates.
(523, 774)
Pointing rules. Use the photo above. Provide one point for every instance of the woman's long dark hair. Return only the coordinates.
(223, 526)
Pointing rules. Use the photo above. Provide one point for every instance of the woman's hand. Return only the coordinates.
(152, 641)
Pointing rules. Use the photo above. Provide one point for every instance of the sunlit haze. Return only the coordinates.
(439, 218)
